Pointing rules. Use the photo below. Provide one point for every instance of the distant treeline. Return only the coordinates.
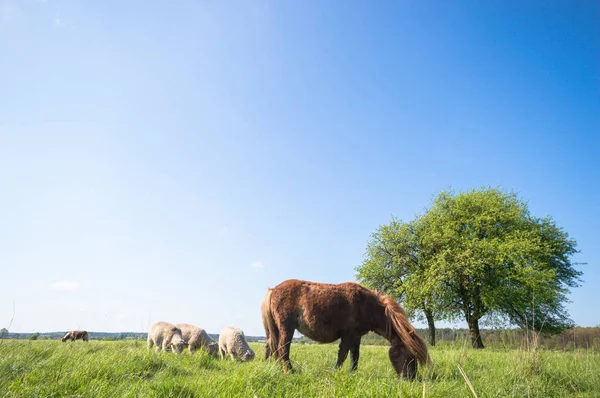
(585, 338)
(106, 336)
(59, 335)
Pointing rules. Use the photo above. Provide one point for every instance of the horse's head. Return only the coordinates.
(404, 362)
(408, 348)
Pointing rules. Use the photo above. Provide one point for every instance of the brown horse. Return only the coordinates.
(347, 311)
(76, 335)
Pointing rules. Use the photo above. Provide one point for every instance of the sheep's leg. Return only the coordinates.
(232, 356)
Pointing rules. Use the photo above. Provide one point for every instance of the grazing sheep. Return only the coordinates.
(76, 335)
(233, 342)
(166, 336)
(197, 338)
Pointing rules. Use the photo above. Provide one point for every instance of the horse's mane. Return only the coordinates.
(397, 321)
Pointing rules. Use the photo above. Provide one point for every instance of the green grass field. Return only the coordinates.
(128, 369)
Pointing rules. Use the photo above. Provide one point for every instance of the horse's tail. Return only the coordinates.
(271, 331)
(398, 320)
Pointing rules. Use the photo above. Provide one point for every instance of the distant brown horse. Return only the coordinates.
(76, 335)
(347, 311)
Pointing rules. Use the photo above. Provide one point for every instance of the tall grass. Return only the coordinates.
(128, 369)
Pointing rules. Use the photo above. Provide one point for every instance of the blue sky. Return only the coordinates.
(170, 162)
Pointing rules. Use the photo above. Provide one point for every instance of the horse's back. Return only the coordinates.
(321, 311)
(323, 295)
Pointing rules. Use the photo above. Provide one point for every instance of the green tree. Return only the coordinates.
(34, 336)
(480, 255)
(396, 265)
(3, 333)
(491, 258)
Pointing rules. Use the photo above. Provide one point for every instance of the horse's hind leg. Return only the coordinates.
(267, 349)
(285, 341)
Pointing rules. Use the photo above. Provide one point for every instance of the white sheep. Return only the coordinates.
(233, 342)
(197, 337)
(166, 336)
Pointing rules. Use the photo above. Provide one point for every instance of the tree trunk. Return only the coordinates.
(476, 341)
(431, 324)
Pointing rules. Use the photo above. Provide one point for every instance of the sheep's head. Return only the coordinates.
(213, 349)
(178, 345)
(248, 355)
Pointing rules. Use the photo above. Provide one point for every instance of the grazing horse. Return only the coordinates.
(346, 311)
(76, 335)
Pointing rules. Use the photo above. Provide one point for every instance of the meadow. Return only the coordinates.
(129, 369)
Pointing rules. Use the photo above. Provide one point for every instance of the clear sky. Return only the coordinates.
(171, 160)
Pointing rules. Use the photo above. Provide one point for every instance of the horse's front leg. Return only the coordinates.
(343, 351)
(354, 353)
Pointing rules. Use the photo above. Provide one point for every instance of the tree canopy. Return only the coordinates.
(395, 265)
(478, 254)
